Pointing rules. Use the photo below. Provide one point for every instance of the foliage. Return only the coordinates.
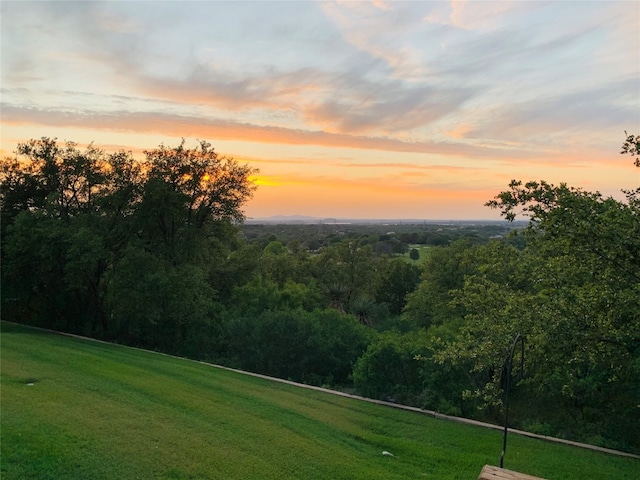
(102, 244)
(631, 146)
(390, 369)
(263, 294)
(397, 280)
(349, 265)
(443, 271)
(574, 292)
(318, 347)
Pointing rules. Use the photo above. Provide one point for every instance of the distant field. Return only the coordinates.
(77, 409)
(423, 250)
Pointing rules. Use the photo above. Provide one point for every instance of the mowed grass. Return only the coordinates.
(77, 409)
(423, 250)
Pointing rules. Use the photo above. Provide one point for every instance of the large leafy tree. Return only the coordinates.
(87, 236)
(397, 280)
(187, 193)
(443, 271)
(60, 232)
(574, 292)
(184, 222)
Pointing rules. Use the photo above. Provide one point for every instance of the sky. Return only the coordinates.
(372, 110)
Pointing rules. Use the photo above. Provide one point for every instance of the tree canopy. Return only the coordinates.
(107, 245)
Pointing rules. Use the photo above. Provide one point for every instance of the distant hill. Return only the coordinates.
(306, 219)
(285, 219)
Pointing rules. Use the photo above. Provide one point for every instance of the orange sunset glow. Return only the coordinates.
(371, 110)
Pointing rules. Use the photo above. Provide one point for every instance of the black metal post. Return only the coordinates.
(507, 388)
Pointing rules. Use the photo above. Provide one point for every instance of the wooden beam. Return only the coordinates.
(490, 472)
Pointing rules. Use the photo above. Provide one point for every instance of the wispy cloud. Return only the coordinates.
(175, 125)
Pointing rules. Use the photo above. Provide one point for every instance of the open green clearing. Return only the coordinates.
(423, 250)
(78, 409)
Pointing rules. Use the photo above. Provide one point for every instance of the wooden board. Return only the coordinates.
(490, 472)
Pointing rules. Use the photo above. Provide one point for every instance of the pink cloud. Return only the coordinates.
(213, 129)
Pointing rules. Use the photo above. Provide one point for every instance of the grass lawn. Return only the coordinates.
(77, 409)
(423, 250)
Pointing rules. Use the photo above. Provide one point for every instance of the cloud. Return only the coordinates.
(177, 125)
(387, 107)
(408, 168)
(596, 110)
(399, 82)
(473, 15)
(204, 85)
(398, 184)
(344, 101)
(353, 94)
(391, 35)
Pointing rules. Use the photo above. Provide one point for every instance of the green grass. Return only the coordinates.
(423, 250)
(97, 411)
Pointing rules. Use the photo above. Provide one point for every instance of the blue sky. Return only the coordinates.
(360, 109)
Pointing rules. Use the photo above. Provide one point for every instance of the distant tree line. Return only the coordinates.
(153, 253)
(384, 238)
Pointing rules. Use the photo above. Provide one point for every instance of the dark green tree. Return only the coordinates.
(57, 195)
(186, 192)
(318, 347)
(574, 292)
(362, 307)
(397, 280)
(390, 368)
(345, 271)
(106, 245)
(442, 272)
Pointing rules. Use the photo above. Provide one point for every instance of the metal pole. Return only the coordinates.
(507, 388)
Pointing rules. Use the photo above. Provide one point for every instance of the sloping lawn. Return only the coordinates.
(78, 409)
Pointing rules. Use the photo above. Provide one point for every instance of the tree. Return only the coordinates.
(397, 280)
(574, 292)
(414, 254)
(442, 272)
(346, 270)
(190, 199)
(389, 369)
(631, 146)
(318, 347)
(58, 197)
(106, 245)
(337, 294)
(362, 307)
(188, 190)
